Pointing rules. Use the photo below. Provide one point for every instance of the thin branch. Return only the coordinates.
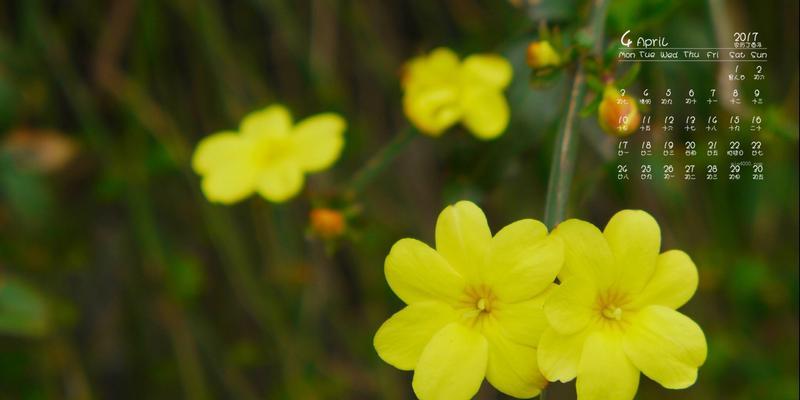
(562, 166)
(379, 162)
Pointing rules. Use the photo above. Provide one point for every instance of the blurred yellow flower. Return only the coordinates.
(541, 54)
(268, 155)
(618, 114)
(440, 90)
(474, 305)
(613, 315)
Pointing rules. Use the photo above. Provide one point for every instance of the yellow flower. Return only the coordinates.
(268, 155)
(618, 114)
(440, 91)
(613, 315)
(542, 55)
(474, 305)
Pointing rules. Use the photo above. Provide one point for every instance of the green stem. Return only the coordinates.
(562, 166)
(543, 395)
(380, 161)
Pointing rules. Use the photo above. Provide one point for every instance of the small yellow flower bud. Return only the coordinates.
(327, 223)
(541, 55)
(618, 114)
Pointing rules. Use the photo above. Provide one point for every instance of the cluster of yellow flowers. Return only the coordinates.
(270, 156)
(488, 306)
(520, 308)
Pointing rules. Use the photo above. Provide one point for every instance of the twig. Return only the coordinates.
(562, 166)
(379, 162)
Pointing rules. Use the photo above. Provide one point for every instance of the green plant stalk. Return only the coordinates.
(562, 166)
(379, 162)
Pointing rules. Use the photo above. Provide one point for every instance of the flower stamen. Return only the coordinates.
(477, 304)
(482, 304)
(612, 312)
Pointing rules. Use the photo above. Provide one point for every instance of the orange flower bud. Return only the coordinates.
(327, 223)
(618, 114)
(541, 55)
(42, 150)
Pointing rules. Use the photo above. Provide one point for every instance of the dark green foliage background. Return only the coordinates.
(119, 281)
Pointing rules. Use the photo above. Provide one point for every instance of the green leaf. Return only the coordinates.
(545, 77)
(629, 76)
(595, 83)
(611, 52)
(23, 312)
(592, 107)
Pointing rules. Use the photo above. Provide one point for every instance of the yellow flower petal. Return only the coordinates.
(604, 371)
(273, 121)
(231, 182)
(512, 367)
(217, 150)
(463, 238)
(522, 231)
(417, 273)
(570, 307)
(510, 245)
(635, 240)
(443, 59)
(525, 321)
(280, 183)
(440, 91)
(586, 253)
(487, 69)
(485, 111)
(401, 339)
(452, 366)
(673, 283)
(522, 261)
(666, 345)
(559, 355)
(318, 141)
(440, 65)
(432, 109)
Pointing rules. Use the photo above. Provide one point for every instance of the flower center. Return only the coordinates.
(612, 312)
(477, 304)
(272, 150)
(610, 305)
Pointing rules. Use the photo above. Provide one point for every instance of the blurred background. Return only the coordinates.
(118, 280)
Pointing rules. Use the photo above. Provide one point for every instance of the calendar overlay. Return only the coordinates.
(703, 133)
